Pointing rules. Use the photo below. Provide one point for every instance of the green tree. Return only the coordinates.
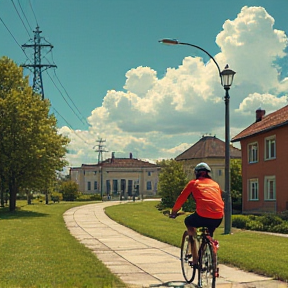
(172, 180)
(69, 190)
(236, 184)
(31, 150)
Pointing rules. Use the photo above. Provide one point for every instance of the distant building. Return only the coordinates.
(211, 150)
(117, 176)
(264, 146)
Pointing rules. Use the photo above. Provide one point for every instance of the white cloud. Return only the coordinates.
(160, 118)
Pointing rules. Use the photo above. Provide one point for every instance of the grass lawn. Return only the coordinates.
(251, 251)
(37, 250)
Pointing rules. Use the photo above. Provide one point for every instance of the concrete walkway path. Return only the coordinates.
(141, 261)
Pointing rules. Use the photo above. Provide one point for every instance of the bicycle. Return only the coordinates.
(207, 265)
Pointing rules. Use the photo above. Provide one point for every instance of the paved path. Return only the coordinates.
(141, 261)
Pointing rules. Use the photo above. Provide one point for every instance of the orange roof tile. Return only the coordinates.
(208, 147)
(269, 122)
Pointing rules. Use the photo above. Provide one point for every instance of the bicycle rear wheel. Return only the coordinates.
(207, 267)
(188, 270)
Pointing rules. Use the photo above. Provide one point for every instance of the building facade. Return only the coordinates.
(115, 177)
(264, 162)
(211, 150)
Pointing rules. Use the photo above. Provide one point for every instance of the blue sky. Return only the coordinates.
(141, 96)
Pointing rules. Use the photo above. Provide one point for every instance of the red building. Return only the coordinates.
(264, 147)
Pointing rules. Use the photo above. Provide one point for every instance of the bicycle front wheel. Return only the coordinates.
(207, 267)
(186, 257)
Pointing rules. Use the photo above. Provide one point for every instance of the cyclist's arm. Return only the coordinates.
(181, 198)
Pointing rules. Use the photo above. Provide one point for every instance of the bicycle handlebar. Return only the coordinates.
(173, 216)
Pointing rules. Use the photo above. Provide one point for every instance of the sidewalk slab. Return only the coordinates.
(140, 261)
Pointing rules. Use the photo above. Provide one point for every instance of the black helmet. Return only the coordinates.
(202, 167)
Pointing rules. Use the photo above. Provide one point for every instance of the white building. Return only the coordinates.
(117, 177)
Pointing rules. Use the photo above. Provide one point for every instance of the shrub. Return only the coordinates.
(270, 220)
(69, 190)
(95, 197)
(189, 205)
(280, 228)
(254, 225)
(239, 221)
(284, 215)
(56, 197)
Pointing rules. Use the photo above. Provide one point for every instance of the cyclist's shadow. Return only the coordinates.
(178, 284)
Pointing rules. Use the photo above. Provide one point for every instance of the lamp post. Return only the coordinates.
(101, 182)
(226, 77)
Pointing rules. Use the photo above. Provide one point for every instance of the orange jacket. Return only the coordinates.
(207, 195)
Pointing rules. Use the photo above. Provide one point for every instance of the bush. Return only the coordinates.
(239, 221)
(254, 225)
(69, 190)
(269, 221)
(89, 197)
(280, 228)
(56, 197)
(284, 215)
(189, 205)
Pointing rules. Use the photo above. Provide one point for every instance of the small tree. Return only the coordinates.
(69, 190)
(236, 184)
(172, 180)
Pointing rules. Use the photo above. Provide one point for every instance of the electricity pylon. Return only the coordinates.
(37, 67)
(100, 149)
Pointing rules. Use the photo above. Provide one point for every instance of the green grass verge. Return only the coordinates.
(251, 251)
(37, 250)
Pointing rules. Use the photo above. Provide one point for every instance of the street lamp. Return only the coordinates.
(226, 77)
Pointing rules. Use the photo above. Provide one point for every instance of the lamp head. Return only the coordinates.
(227, 76)
(169, 41)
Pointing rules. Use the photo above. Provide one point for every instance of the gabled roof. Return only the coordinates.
(119, 163)
(208, 147)
(271, 121)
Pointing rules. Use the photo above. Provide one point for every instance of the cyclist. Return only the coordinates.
(209, 204)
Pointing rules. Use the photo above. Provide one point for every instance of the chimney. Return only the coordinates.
(112, 157)
(130, 155)
(259, 114)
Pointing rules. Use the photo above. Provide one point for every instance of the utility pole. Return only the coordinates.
(100, 149)
(37, 67)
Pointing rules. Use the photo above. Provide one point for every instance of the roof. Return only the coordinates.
(208, 147)
(269, 122)
(120, 163)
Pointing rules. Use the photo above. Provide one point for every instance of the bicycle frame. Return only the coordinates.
(207, 259)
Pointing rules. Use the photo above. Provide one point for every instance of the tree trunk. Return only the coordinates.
(2, 197)
(47, 199)
(13, 193)
(12, 200)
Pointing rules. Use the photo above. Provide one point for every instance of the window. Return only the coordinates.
(219, 172)
(253, 189)
(253, 152)
(88, 185)
(149, 185)
(270, 148)
(149, 173)
(108, 186)
(95, 185)
(270, 188)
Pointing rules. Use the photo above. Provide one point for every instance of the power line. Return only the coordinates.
(33, 12)
(70, 97)
(64, 97)
(24, 15)
(14, 38)
(83, 118)
(70, 126)
(21, 18)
